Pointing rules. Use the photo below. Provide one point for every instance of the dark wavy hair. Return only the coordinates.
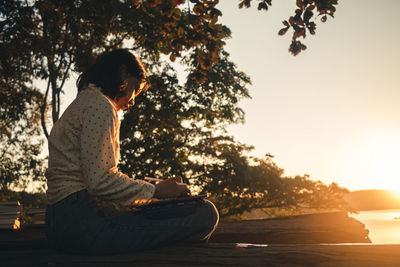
(107, 69)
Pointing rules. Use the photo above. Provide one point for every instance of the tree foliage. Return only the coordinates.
(177, 127)
(162, 132)
(20, 137)
(240, 183)
(47, 39)
(52, 38)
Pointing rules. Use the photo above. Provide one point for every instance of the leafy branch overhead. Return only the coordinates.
(49, 39)
(303, 19)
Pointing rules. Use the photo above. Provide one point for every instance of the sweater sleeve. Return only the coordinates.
(99, 158)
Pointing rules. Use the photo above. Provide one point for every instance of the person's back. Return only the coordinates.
(64, 174)
(84, 152)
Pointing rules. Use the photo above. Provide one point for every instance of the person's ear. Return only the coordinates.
(123, 76)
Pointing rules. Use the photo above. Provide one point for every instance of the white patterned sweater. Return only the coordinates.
(84, 153)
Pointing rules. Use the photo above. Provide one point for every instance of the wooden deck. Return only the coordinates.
(284, 236)
(217, 255)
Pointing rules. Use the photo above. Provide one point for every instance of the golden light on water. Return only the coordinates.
(383, 225)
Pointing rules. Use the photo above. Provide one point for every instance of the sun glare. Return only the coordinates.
(377, 163)
(384, 161)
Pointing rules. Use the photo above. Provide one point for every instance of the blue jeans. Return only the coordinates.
(76, 224)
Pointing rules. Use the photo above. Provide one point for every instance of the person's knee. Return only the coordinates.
(211, 213)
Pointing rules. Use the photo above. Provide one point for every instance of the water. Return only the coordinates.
(383, 226)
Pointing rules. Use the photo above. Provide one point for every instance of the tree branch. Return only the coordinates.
(117, 43)
(43, 111)
(66, 73)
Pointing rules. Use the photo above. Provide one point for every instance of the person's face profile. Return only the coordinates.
(129, 90)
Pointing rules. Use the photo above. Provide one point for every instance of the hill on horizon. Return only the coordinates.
(373, 199)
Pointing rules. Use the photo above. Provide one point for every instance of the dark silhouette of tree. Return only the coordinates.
(20, 139)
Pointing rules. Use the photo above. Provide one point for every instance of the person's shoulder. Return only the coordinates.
(95, 101)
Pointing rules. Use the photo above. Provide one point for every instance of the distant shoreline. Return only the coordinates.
(366, 200)
(398, 208)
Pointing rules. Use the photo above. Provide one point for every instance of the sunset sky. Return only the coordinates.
(333, 111)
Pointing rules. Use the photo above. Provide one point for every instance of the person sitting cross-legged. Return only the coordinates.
(88, 198)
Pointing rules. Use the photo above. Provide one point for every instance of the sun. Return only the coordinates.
(378, 163)
(383, 161)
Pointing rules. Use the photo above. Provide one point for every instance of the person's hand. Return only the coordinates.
(170, 188)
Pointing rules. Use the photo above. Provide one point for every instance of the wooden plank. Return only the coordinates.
(219, 255)
(9, 215)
